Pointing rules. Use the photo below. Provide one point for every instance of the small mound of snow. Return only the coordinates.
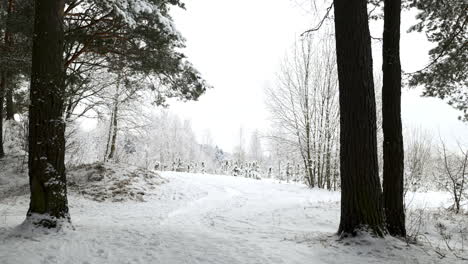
(113, 182)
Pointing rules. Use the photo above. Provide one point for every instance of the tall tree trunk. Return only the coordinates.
(113, 129)
(336, 166)
(309, 166)
(328, 161)
(328, 140)
(393, 153)
(109, 136)
(2, 96)
(114, 132)
(361, 195)
(10, 110)
(306, 174)
(49, 205)
(8, 91)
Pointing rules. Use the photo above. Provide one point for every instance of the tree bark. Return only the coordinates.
(115, 130)
(361, 195)
(48, 205)
(8, 90)
(309, 165)
(10, 109)
(109, 137)
(393, 152)
(2, 96)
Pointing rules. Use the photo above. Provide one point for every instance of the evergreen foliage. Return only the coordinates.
(446, 77)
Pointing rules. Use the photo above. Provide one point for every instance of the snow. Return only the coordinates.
(198, 218)
(112, 181)
(130, 9)
(13, 176)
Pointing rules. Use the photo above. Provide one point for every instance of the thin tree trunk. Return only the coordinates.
(328, 142)
(309, 165)
(320, 146)
(393, 153)
(69, 110)
(109, 136)
(307, 117)
(113, 129)
(328, 162)
(10, 110)
(361, 194)
(114, 132)
(336, 168)
(2, 93)
(8, 91)
(49, 205)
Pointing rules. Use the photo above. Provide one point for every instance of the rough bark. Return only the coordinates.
(10, 109)
(393, 153)
(48, 205)
(361, 196)
(8, 90)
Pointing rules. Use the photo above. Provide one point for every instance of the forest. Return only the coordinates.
(98, 166)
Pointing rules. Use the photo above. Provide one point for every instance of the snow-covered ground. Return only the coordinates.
(195, 218)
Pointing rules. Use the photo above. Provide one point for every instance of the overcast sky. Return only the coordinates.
(238, 45)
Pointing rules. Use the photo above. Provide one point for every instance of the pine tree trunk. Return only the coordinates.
(361, 195)
(49, 205)
(393, 153)
(8, 90)
(10, 110)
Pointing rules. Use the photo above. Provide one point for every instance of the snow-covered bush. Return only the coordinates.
(15, 137)
(112, 181)
(452, 173)
(418, 159)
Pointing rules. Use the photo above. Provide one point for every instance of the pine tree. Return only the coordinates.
(361, 196)
(48, 205)
(15, 56)
(139, 35)
(445, 24)
(8, 45)
(393, 153)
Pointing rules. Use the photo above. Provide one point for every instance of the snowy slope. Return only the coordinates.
(197, 218)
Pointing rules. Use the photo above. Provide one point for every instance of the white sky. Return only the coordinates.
(238, 45)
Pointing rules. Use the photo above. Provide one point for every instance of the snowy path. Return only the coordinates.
(199, 219)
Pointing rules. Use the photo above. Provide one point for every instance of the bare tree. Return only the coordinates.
(453, 170)
(239, 151)
(255, 147)
(119, 101)
(418, 157)
(304, 107)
